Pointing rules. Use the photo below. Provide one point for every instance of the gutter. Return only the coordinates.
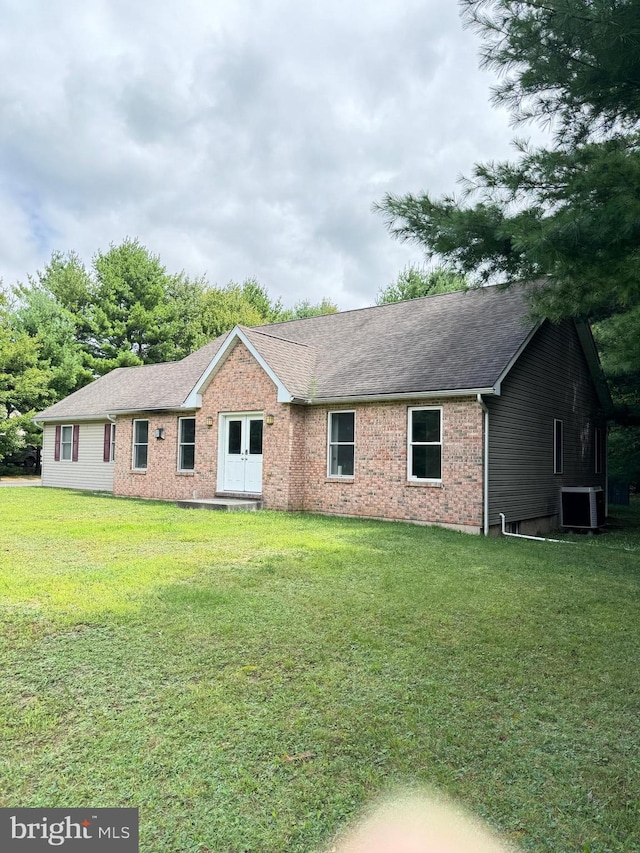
(407, 395)
(485, 466)
(108, 415)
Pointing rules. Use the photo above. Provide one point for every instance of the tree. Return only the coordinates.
(414, 282)
(25, 383)
(131, 316)
(305, 308)
(233, 304)
(619, 346)
(257, 296)
(127, 309)
(44, 319)
(249, 304)
(569, 214)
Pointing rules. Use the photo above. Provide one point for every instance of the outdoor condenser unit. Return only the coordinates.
(582, 507)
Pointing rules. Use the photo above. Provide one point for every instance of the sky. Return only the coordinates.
(235, 138)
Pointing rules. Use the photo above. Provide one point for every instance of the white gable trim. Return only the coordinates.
(236, 336)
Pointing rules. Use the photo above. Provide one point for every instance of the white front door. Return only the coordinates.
(241, 456)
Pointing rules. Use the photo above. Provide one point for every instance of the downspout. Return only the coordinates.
(485, 467)
(536, 538)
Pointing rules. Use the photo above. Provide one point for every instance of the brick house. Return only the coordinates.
(449, 410)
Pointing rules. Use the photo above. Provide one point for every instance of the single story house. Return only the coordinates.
(449, 410)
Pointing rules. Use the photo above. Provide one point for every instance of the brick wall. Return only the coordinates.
(295, 454)
(240, 385)
(380, 487)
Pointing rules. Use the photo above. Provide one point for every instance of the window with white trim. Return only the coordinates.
(558, 446)
(424, 454)
(66, 443)
(342, 444)
(186, 444)
(140, 444)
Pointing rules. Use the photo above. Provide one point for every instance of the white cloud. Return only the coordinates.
(235, 139)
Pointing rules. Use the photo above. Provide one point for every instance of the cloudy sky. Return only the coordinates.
(235, 138)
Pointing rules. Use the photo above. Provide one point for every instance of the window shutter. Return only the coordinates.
(56, 448)
(76, 436)
(106, 452)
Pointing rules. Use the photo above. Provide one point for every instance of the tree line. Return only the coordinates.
(566, 215)
(70, 323)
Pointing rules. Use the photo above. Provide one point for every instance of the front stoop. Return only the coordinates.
(223, 504)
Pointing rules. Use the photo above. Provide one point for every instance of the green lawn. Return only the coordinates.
(250, 680)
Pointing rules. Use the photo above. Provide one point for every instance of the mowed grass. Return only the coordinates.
(250, 681)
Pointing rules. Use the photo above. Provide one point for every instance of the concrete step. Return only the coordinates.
(223, 504)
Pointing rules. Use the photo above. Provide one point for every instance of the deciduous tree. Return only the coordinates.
(414, 282)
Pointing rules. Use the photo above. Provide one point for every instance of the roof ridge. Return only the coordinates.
(258, 331)
(470, 289)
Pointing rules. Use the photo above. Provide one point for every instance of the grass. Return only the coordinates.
(249, 681)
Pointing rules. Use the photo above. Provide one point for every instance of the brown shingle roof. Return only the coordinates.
(293, 362)
(453, 341)
(461, 340)
(131, 389)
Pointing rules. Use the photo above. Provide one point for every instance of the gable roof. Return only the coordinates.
(448, 342)
(134, 389)
(453, 342)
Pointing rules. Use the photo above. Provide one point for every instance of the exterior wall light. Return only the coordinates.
(269, 420)
(209, 422)
(159, 433)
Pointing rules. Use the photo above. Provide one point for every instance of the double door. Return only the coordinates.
(241, 456)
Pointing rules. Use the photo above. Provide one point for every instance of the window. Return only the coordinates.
(109, 446)
(66, 443)
(558, 446)
(341, 443)
(425, 444)
(255, 437)
(140, 444)
(186, 444)
(599, 449)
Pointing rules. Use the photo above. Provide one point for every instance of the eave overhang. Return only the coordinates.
(107, 415)
(406, 395)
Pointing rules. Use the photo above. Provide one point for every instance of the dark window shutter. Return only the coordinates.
(106, 453)
(76, 436)
(56, 448)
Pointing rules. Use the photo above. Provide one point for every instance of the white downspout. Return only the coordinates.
(485, 467)
(536, 538)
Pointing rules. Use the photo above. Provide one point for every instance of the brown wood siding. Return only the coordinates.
(550, 380)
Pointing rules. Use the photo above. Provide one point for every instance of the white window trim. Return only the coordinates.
(134, 444)
(330, 444)
(558, 468)
(112, 444)
(62, 443)
(182, 444)
(410, 443)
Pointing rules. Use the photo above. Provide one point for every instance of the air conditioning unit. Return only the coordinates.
(582, 507)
